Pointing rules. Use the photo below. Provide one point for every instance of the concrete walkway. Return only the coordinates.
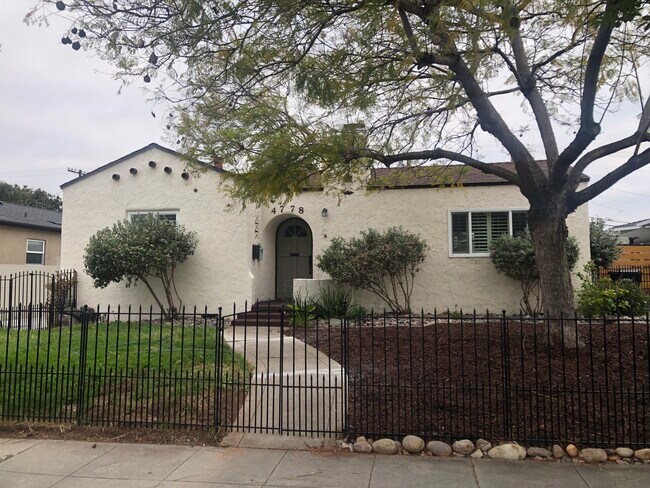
(74, 464)
(295, 388)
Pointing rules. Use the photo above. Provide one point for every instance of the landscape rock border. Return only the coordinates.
(465, 448)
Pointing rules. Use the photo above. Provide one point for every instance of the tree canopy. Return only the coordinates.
(288, 89)
(603, 243)
(144, 249)
(23, 195)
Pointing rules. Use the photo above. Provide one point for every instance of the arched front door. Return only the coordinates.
(293, 256)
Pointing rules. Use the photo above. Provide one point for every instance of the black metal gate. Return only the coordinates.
(294, 385)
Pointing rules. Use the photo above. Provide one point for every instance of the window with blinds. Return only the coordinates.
(472, 232)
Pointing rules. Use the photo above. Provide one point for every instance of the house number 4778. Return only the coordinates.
(287, 208)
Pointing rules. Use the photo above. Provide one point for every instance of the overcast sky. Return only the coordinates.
(60, 108)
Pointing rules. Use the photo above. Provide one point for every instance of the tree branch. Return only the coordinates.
(530, 91)
(589, 129)
(492, 122)
(633, 164)
(601, 152)
(443, 154)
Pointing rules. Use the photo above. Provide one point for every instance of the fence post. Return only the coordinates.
(280, 392)
(11, 300)
(218, 373)
(83, 352)
(345, 376)
(505, 370)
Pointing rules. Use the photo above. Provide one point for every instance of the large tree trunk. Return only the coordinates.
(549, 233)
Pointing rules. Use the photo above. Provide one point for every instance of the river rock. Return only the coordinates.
(572, 450)
(439, 448)
(642, 454)
(558, 452)
(463, 447)
(484, 445)
(413, 444)
(513, 452)
(593, 455)
(384, 446)
(362, 446)
(539, 452)
(478, 454)
(624, 452)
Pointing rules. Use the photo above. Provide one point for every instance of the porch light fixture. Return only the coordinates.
(323, 213)
(258, 252)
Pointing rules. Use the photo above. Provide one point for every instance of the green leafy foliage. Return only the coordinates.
(23, 195)
(603, 244)
(384, 263)
(302, 310)
(140, 250)
(603, 296)
(514, 256)
(335, 301)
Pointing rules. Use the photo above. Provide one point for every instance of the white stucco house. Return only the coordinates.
(457, 222)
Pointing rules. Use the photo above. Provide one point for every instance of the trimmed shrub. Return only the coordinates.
(607, 297)
(383, 263)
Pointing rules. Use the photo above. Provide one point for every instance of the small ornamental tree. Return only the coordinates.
(514, 256)
(603, 243)
(383, 263)
(145, 249)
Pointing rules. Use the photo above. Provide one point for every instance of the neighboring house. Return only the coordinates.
(257, 253)
(30, 239)
(635, 233)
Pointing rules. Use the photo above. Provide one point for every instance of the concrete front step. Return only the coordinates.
(263, 314)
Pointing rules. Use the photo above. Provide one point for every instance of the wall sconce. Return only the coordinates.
(324, 213)
(258, 252)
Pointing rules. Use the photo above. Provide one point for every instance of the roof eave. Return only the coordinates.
(137, 152)
(27, 225)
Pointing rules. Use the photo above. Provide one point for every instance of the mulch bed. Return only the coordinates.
(478, 378)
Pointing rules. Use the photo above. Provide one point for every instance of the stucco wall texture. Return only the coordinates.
(222, 271)
(13, 247)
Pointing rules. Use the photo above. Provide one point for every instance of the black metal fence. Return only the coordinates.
(54, 290)
(440, 376)
(636, 274)
(114, 367)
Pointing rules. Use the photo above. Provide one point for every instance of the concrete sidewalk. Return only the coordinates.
(74, 464)
(295, 387)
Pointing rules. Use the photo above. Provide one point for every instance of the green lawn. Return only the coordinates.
(135, 365)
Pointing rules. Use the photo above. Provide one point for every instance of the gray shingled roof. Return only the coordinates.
(33, 218)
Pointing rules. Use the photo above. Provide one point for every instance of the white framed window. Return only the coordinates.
(472, 231)
(171, 215)
(35, 251)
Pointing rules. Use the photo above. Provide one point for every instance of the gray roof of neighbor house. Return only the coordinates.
(30, 217)
(639, 224)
